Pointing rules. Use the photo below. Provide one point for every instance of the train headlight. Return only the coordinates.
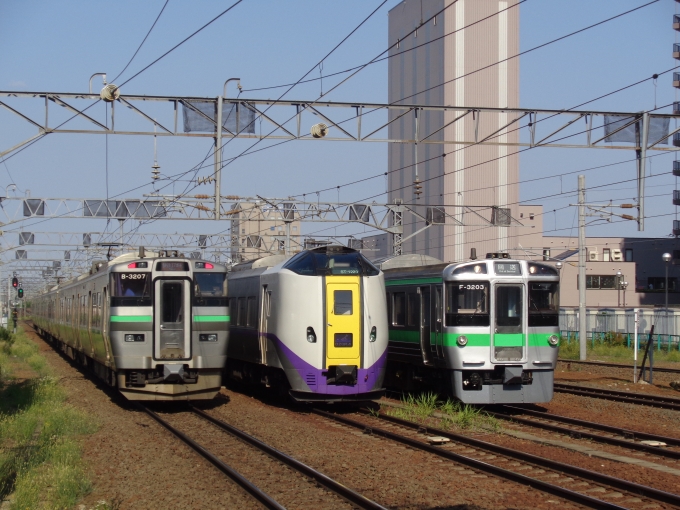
(462, 340)
(553, 340)
(212, 337)
(311, 336)
(374, 334)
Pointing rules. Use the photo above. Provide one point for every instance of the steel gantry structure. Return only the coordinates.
(222, 117)
(385, 217)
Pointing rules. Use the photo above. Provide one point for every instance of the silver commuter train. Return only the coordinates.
(484, 331)
(314, 325)
(156, 328)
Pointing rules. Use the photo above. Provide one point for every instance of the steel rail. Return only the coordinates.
(336, 487)
(591, 476)
(632, 434)
(617, 365)
(248, 486)
(580, 434)
(620, 396)
(474, 463)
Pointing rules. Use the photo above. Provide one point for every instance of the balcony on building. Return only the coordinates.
(676, 197)
(676, 22)
(676, 168)
(676, 80)
(676, 108)
(676, 51)
(676, 139)
(676, 227)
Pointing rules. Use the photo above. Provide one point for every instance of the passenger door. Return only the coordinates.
(437, 321)
(343, 321)
(172, 319)
(508, 339)
(265, 312)
(424, 325)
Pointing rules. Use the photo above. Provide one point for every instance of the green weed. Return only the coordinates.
(616, 352)
(40, 455)
(452, 414)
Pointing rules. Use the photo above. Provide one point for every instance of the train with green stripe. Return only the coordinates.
(154, 327)
(484, 331)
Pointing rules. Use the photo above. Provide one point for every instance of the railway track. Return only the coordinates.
(620, 396)
(618, 365)
(582, 429)
(563, 480)
(355, 499)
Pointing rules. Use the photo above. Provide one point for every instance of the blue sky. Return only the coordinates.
(56, 46)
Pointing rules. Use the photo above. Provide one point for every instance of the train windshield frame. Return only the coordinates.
(467, 304)
(313, 263)
(544, 304)
(130, 288)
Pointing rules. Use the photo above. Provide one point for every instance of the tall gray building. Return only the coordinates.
(450, 71)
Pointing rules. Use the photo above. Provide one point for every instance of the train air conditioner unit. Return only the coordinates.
(593, 255)
(617, 256)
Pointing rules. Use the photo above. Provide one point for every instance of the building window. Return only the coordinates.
(294, 229)
(629, 255)
(600, 282)
(658, 284)
(243, 231)
(546, 253)
(676, 257)
(606, 256)
(271, 228)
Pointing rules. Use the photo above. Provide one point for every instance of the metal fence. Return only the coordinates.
(618, 326)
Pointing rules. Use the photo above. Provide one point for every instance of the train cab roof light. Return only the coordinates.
(204, 265)
(138, 265)
(208, 265)
(132, 265)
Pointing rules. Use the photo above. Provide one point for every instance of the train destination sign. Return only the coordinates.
(503, 268)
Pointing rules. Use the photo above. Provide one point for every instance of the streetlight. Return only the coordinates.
(618, 288)
(667, 259)
(623, 286)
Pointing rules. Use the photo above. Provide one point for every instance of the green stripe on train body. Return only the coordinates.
(131, 318)
(475, 339)
(412, 281)
(211, 318)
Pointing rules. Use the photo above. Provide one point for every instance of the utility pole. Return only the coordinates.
(600, 211)
(582, 266)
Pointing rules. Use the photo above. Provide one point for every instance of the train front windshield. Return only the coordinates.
(467, 304)
(210, 284)
(544, 304)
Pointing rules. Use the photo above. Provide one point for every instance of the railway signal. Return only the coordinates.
(20, 293)
(15, 282)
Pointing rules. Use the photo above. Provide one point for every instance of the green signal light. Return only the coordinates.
(20, 293)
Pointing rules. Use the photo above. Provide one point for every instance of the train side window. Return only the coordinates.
(398, 308)
(241, 320)
(342, 302)
(252, 312)
(413, 310)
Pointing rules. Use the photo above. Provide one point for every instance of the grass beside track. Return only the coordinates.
(614, 353)
(40, 452)
(451, 414)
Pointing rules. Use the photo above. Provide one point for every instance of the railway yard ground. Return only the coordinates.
(130, 461)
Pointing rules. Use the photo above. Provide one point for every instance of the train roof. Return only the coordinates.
(408, 260)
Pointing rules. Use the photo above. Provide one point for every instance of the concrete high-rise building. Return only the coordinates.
(450, 71)
(258, 230)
